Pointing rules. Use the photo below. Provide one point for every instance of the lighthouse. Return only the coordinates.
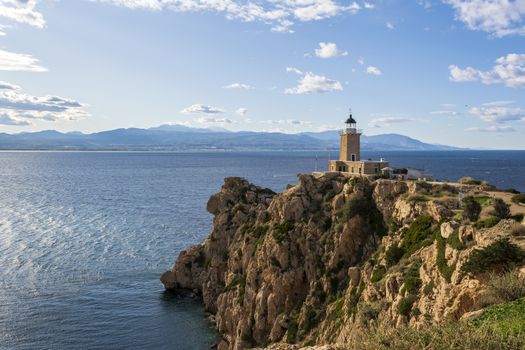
(350, 154)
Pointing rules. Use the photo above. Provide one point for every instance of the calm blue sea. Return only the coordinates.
(84, 237)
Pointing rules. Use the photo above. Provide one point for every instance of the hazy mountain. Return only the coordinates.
(179, 137)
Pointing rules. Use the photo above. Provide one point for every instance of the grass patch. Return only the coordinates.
(487, 223)
(502, 255)
(483, 200)
(293, 327)
(507, 318)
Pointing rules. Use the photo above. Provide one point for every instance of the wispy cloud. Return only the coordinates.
(200, 108)
(239, 86)
(242, 111)
(390, 26)
(212, 120)
(328, 50)
(281, 15)
(493, 128)
(388, 121)
(11, 61)
(498, 114)
(508, 70)
(313, 83)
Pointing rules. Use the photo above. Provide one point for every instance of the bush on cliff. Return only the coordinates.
(502, 288)
(471, 208)
(502, 255)
(418, 235)
(487, 223)
(282, 231)
(501, 209)
(518, 198)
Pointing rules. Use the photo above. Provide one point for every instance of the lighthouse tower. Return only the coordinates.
(350, 144)
(350, 154)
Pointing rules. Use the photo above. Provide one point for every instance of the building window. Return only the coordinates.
(353, 157)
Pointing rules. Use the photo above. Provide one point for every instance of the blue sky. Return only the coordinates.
(443, 71)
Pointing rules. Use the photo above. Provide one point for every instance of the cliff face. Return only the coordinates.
(329, 254)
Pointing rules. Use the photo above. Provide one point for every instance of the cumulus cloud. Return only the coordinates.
(493, 128)
(497, 17)
(242, 111)
(388, 121)
(498, 114)
(10, 61)
(212, 120)
(508, 70)
(240, 86)
(373, 70)
(19, 108)
(313, 83)
(200, 108)
(22, 11)
(328, 50)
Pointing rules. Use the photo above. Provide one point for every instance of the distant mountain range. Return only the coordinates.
(179, 137)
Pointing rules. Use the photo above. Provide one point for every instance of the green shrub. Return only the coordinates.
(441, 260)
(471, 208)
(467, 180)
(393, 255)
(501, 255)
(501, 209)
(355, 205)
(417, 198)
(518, 198)
(311, 318)
(454, 242)
(412, 281)
(355, 295)
(429, 288)
(502, 288)
(418, 235)
(405, 305)
(517, 217)
(378, 274)
(293, 327)
(487, 223)
(281, 231)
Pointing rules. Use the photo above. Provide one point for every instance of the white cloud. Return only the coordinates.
(498, 114)
(508, 70)
(493, 128)
(294, 70)
(328, 50)
(497, 103)
(280, 14)
(242, 111)
(446, 112)
(368, 5)
(19, 108)
(10, 61)
(8, 86)
(200, 108)
(6, 119)
(373, 70)
(390, 26)
(311, 83)
(497, 17)
(240, 86)
(361, 60)
(288, 122)
(212, 120)
(22, 11)
(388, 121)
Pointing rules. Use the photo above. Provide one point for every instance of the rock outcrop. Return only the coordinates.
(308, 265)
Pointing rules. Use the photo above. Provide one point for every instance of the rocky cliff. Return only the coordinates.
(333, 253)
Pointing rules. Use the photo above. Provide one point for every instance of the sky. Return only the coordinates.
(442, 71)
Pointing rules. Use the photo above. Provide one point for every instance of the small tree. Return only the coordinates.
(471, 208)
(501, 209)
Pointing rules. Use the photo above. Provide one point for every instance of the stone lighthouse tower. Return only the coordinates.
(350, 154)
(350, 144)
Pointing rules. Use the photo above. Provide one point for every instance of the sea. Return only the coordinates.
(84, 236)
